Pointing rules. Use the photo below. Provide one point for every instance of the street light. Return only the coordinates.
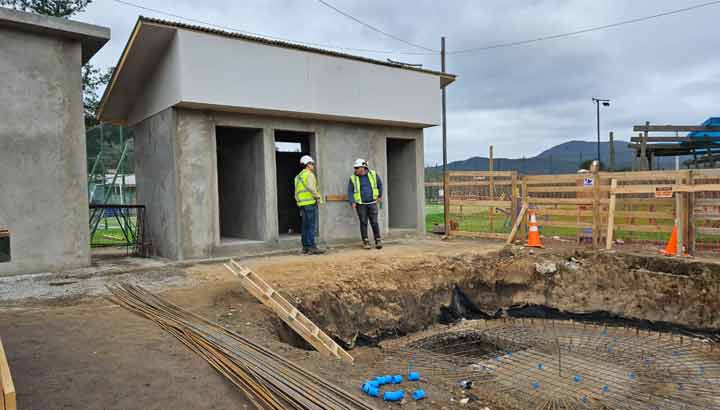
(597, 102)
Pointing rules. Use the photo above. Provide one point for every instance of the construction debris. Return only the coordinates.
(288, 313)
(270, 382)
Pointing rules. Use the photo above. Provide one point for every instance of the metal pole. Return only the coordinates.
(446, 193)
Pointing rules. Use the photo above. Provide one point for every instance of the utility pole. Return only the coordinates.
(446, 192)
(611, 161)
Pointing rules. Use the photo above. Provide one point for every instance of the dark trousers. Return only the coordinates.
(308, 214)
(365, 212)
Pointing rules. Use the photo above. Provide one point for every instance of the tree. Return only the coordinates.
(93, 79)
(56, 8)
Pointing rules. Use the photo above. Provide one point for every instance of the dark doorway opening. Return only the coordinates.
(290, 146)
(241, 182)
(401, 184)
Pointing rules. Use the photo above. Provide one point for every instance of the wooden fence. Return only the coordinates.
(597, 208)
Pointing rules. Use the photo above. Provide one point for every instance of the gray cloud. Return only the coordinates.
(522, 99)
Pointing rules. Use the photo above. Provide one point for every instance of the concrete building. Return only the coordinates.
(221, 120)
(43, 175)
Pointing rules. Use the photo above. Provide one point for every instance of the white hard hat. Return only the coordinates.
(360, 163)
(306, 159)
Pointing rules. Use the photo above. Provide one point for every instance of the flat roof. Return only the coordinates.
(90, 36)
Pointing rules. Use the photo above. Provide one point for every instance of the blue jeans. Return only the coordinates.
(308, 227)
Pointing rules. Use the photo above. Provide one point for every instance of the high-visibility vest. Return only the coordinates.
(303, 197)
(372, 176)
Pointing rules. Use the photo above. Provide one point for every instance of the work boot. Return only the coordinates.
(305, 251)
(366, 244)
(378, 243)
(316, 251)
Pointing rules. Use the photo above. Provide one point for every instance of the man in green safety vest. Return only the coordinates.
(307, 196)
(364, 193)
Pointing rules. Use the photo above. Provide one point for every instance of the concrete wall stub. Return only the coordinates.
(43, 175)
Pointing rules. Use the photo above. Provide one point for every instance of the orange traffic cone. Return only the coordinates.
(671, 247)
(533, 233)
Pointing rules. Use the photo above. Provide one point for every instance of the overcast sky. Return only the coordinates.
(520, 99)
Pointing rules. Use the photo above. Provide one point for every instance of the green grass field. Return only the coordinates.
(477, 220)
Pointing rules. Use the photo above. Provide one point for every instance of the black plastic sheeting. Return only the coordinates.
(462, 307)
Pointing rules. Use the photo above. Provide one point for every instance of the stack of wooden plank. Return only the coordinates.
(269, 381)
(7, 388)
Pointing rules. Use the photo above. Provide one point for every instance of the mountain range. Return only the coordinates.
(564, 158)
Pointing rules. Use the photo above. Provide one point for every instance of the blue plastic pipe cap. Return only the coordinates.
(393, 395)
(577, 378)
(414, 376)
(381, 380)
(397, 379)
(418, 395)
(373, 391)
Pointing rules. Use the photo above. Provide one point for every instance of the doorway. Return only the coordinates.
(290, 146)
(241, 182)
(401, 184)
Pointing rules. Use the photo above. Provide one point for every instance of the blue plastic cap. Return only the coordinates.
(393, 395)
(541, 366)
(418, 395)
(414, 376)
(536, 385)
(397, 379)
(632, 376)
(606, 388)
(577, 378)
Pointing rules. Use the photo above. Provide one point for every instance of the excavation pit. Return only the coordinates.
(547, 364)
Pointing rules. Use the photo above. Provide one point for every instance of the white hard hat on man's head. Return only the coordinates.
(306, 159)
(360, 163)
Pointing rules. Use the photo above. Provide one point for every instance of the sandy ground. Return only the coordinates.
(84, 352)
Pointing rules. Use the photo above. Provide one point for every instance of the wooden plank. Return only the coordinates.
(480, 173)
(477, 183)
(596, 206)
(6, 383)
(480, 203)
(563, 212)
(433, 184)
(643, 175)
(552, 189)
(573, 201)
(513, 199)
(707, 230)
(563, 224)
(644, 214)
(611, 217)
(286, 311)
(673, 128)
(643, 228)
(518, 222)
(336, 198)
(674, 139)
(554, 179)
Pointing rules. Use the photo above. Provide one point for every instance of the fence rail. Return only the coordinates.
(597, 208)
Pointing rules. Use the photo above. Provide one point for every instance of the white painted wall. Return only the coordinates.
(236, 73)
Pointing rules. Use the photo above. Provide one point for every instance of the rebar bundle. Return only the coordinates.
(269, 381)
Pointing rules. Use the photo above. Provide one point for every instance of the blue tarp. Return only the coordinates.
(710, 122)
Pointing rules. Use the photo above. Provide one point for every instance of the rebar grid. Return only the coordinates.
(547, 364)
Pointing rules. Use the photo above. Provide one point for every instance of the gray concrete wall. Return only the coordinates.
(157, 182)
(189, 155)
(43, 182)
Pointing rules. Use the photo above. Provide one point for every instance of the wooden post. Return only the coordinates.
(679, 216)
(595, 168)
(518, 222)
(513, 198)
(611, 161)
(611, 216)
(691, 216)
(526, 203)
(491, 167)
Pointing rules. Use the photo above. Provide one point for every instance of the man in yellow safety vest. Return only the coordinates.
(364, 193)
(307, 196)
